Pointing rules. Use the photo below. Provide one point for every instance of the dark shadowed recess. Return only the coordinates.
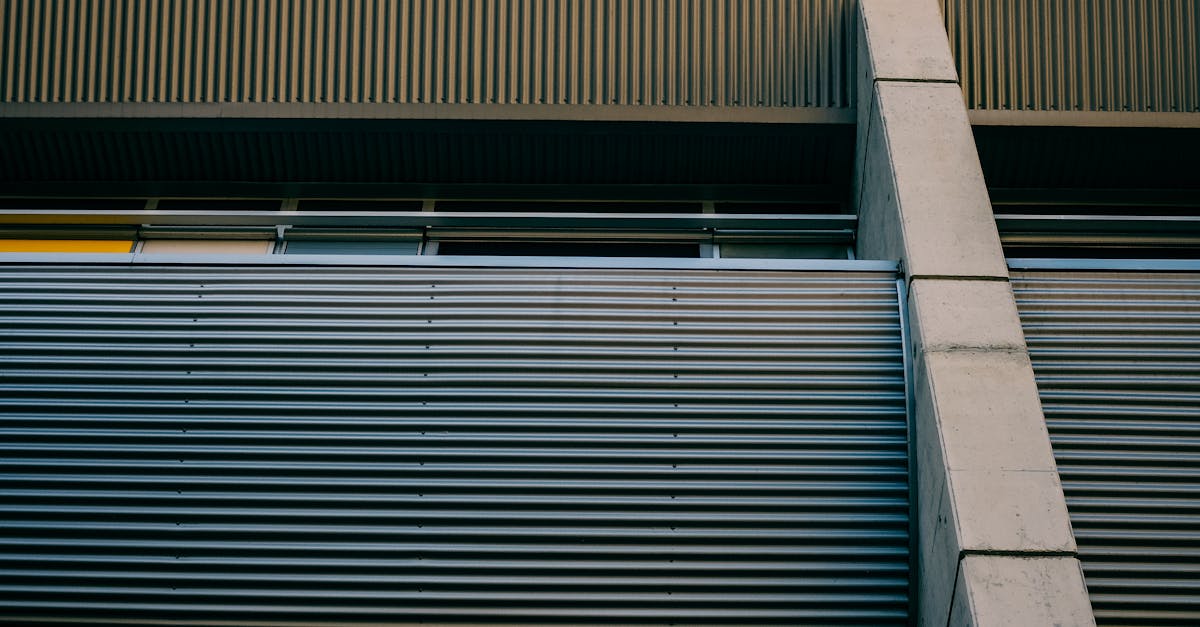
(467, 159)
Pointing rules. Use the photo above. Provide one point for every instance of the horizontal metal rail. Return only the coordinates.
(513, 220)
(1132, 265)
(1130, 225)
(465, 261)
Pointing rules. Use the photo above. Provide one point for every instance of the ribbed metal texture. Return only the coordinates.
(780, 53)
(1077, 55)
(331, 445)
(1117, 357)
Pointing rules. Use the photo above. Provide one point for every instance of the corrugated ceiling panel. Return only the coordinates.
(332, 445)
(1081, 158)
(1117, 357)
(779, 53)
(509, 153)
(1077, 55)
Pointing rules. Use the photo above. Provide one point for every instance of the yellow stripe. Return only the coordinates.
(64, 246)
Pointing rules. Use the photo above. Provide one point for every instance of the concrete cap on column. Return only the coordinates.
(907, 41)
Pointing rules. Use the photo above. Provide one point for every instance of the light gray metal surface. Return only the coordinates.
(329, 444)
(1117, 357)
(774, 53)
(1077, 55)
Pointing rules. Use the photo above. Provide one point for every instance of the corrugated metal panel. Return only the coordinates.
(347, 444)
(1117, 356)
(1077, 55)
(780, 53)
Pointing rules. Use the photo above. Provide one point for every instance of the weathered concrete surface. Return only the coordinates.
(963, 314)
(907, 43)
(919, 155)
(984, 411)
(993, 524)
(986, 476)
(1004, 591)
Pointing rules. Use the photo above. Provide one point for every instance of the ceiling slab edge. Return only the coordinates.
(431, 111)
(1092, 119)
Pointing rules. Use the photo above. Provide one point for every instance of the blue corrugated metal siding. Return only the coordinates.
(315, 445)
(1117, 357)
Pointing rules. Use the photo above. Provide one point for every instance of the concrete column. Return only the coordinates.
(995, 540)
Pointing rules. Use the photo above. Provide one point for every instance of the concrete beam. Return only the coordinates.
(1003, 591)
(992, 518)
(427, 111)
(917, 153)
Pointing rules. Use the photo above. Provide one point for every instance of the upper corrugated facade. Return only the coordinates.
(1077, 55)
(768, 53)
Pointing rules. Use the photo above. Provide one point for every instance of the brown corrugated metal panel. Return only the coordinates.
(1077, 55)
(779, 53)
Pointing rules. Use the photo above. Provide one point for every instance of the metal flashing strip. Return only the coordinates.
(1104, 119)
(1130, 265)
(830, 265)
(1132, 225)
(571, 235)
(433, 111)
(1129, 236)
(1066, 202)
(778, 192)
(473, 219)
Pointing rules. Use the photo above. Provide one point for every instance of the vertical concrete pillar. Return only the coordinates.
(995, 540)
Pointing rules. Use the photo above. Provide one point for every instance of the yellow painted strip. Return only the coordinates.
(65, 246)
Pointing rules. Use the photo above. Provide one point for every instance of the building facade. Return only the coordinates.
(600, 312)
